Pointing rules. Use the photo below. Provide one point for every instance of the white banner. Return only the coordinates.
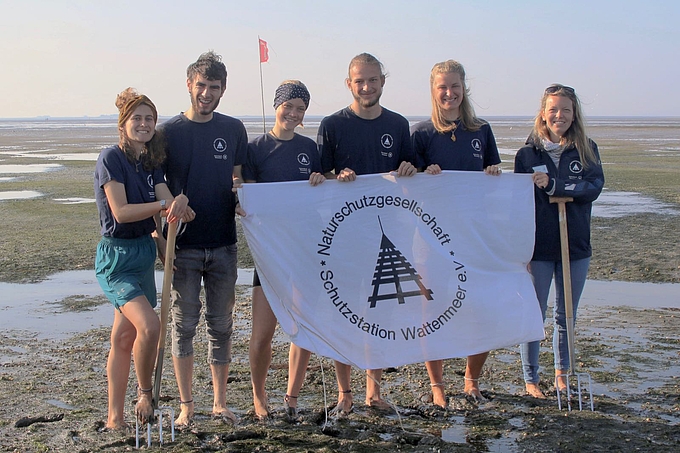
(385, 271)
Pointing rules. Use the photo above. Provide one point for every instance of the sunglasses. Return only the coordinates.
(555, 87)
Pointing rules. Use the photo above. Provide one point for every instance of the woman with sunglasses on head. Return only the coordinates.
(563, 162)
(454, 138)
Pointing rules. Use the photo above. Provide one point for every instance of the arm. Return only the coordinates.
(124, 212)
(584, 190)
(179, 208)
(237, 179)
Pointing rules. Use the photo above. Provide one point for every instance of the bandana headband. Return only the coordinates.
(289, 91)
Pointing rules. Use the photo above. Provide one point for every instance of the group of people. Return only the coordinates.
(188, 170)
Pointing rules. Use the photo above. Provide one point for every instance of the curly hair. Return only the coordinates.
(210, 66)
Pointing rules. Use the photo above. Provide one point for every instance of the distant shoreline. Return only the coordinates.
(319, 117)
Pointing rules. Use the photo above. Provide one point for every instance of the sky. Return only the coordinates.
(71, 57)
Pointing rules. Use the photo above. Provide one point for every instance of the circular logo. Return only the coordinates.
(575, 166)
(303, 159)
(387, 141)
(149, 180)
(220, 145)
(476, 144)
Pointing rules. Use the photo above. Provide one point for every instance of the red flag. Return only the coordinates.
(264, 51)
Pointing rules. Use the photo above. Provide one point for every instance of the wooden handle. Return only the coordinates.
(165, 309)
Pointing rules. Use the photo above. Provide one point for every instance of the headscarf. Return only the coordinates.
(288, 91)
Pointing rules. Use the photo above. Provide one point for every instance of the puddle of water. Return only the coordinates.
(40, 154)
(19, 195)
(632, 294)
(31, 307)
(60, 404)
(620, 204)
(29, 168)
(75, 200)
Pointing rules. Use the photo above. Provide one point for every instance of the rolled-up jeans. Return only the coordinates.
(542, 274)
(216, 268)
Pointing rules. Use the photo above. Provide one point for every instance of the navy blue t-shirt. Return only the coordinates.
(472, 150)
(113, 165)
(273, 160)
(200, 163)
(366, 146)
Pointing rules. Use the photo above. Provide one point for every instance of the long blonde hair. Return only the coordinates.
(576, 134)
(467, 112)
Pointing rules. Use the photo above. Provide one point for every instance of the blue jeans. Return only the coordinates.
(216, 267)
(542, 273)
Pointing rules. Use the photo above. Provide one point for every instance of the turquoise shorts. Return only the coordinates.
(125, 269)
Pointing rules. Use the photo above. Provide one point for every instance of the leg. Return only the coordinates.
(473, 370)
(147, 326)
(373, 398)
(220, 281)
(184, 371)
(579, 273)
(541, 274)
(118, 368)
(343, 374)
(220, 375)
(260, 349)
(435, 370)
(186, 310)
(298, 359)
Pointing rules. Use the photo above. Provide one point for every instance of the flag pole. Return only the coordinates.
(264, 125)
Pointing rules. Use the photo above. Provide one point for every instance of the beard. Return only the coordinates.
(203, 109)
(368, 103)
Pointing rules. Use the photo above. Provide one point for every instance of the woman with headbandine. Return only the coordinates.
(131, 196)
(280, 155)
(454, 139)
(563, 162)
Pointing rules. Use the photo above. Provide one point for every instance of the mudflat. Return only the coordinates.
(630, 353)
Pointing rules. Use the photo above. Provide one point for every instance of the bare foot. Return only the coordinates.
(472, 390)
(261, 408)
(224, 414)
(561, 381)
(439, 395)
(533, 390)
(144, 406)
(186, 414)
(344, 407)
(116, 426)
(378, 404)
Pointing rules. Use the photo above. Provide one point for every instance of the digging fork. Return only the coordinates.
(569, 309)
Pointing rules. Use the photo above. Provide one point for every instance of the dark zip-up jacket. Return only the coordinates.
(571, 180)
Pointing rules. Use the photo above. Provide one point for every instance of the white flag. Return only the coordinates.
(385, 271)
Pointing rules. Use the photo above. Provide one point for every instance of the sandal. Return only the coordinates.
(144, 408)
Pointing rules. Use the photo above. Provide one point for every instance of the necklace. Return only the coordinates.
(454, 126)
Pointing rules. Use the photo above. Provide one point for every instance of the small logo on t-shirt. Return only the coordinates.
(220, 145)
(303, 159)
(575, 166)
(387, 141)
(476, 144)
(149, 180)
